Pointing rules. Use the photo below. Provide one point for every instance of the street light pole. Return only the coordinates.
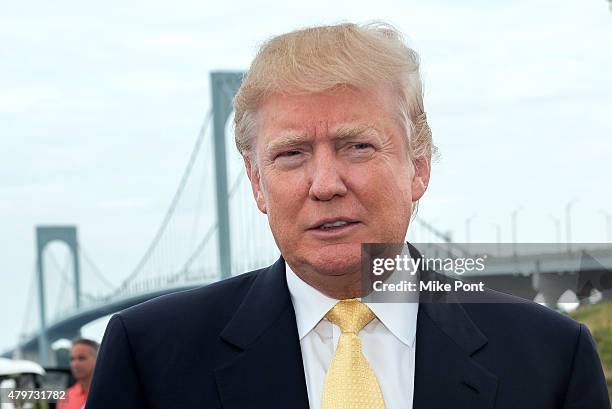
(608, 217)
(557, 228)
(497, 228)
(514, 229)
(468, 223)
(568, 223)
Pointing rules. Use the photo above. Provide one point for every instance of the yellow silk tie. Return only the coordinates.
(350, 382)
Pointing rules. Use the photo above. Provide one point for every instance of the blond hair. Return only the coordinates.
(318, 59)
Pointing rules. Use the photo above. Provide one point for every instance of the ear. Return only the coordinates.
(420, 179)
(253, 175)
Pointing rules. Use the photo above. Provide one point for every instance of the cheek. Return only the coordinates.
(385, 187)
(401, 182)
(284, 197)
(403, 187)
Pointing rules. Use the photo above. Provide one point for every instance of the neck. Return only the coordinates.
(85, 383)
(339, 287)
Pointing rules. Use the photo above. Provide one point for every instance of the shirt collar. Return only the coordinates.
(399, 317)
(311, 305)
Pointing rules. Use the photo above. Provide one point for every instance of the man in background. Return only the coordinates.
(82, 363)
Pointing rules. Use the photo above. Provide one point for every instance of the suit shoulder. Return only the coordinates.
(518, 314)
(219, 297)
(509, 312)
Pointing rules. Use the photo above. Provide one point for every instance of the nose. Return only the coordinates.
(326, 178)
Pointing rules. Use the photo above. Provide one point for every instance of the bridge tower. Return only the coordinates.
(224, 86)
(44, 236)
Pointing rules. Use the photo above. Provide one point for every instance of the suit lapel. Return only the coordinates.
(447, 341)
(267, 370)
(446, 375)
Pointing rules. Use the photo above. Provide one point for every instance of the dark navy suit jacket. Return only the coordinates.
(234, 345)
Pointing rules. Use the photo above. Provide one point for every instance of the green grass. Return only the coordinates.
(598, 318)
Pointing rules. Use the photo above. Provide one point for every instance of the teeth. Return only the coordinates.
(334, 224)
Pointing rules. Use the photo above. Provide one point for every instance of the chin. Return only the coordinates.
(337, 259)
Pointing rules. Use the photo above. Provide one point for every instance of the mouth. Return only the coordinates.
(333, 225)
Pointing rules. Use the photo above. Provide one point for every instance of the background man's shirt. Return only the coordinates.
(76, 398)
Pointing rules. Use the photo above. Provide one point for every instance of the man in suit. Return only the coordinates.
(331, 125)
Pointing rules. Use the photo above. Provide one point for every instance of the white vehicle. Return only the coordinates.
(10, 367)
(19, 374)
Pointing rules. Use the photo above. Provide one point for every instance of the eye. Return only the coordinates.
(287, 154)
(359, 151)
(289, 159)
(362, 146)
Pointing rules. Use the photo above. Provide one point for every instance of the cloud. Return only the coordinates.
(127, 202)
(22, 100)
(173, 41)
(157, 82)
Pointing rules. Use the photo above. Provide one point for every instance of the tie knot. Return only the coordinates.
(350, 315)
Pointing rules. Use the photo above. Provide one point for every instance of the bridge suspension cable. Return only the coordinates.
(94, 267)
(168, 216)
(210, 232)
(29, 303)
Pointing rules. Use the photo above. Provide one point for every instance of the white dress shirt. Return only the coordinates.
(387, 342)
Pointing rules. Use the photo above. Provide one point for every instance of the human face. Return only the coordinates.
(337, 156)
(82, 362)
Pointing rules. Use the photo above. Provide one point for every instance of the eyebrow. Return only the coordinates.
(286, 140)
(343, 132)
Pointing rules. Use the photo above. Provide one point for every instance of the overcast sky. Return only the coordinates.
(100, 104)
